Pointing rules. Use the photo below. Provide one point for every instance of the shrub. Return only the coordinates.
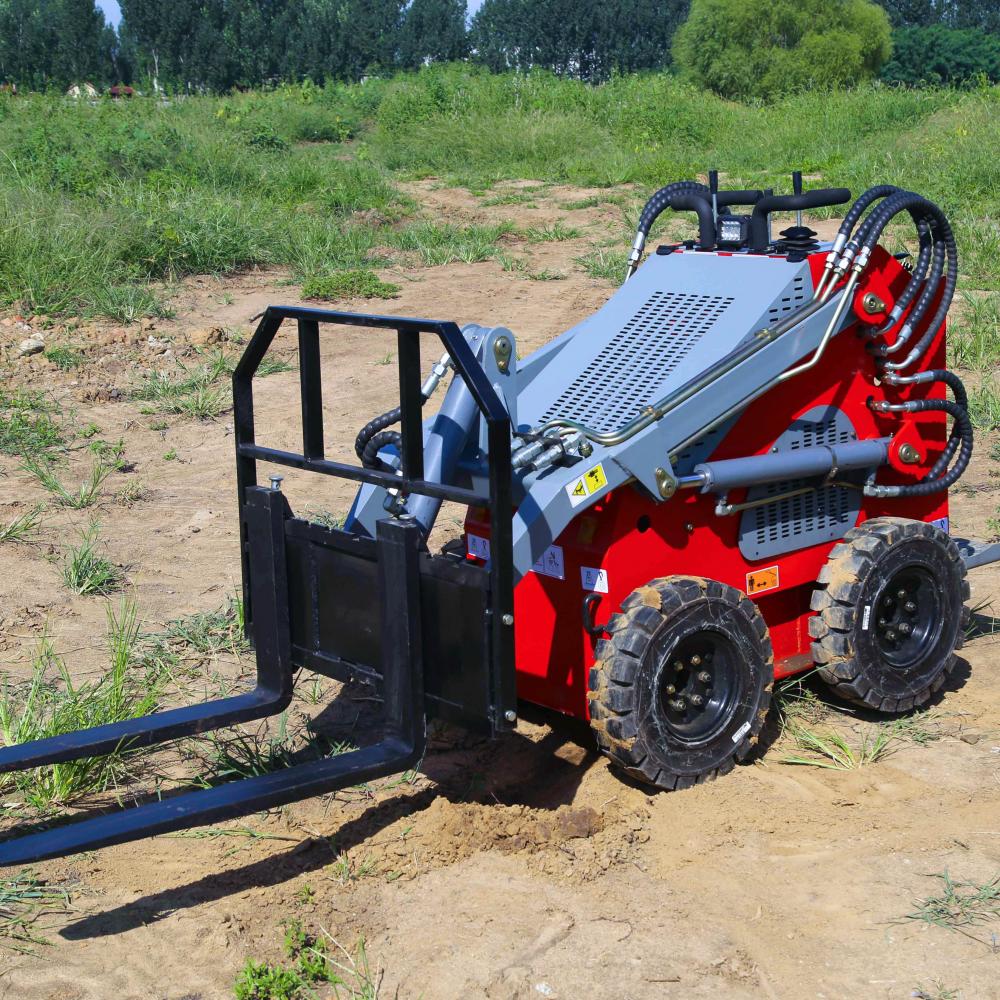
(765, 48)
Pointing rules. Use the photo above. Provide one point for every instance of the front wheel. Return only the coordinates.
(679, 691)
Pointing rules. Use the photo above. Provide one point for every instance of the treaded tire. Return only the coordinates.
(630, 712)
(858, 608)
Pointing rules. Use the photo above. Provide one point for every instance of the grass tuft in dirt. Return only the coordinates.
(831, 749)
(23, 528)
(51, 704)
(26, 425)
(85, 495)
(309, 965)
(65, 358)
(25, 899)
(209, 633)
(974, 336)
(85, 571)
(961, 905)
(349, 285)
(605, 263)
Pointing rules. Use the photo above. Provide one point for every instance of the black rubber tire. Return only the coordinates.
(630, 712)
(855, 614)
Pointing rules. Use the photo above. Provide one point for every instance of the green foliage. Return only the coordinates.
(765, 48)
(942, 56)
(349, 285)
(54, 43)
(85, 571)
(24, 900)
(591, 40)
(433, 31)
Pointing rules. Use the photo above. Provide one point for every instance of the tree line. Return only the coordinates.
(218, 45)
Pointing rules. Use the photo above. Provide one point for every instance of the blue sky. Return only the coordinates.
(112, 12)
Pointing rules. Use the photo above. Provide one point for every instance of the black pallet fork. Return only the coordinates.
(435, 632)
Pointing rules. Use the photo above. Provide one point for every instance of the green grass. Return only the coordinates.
(27, 427)
(961, 905)
(608, 264)
(51, 704)
(85, 495)
(313, 962)
(85, 571)
(66, 358)
(103, 207)
(349, 285)
(23, 528)
(974, 335)
(25, 900)
(831, 750)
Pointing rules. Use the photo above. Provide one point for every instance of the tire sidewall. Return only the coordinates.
(926, 553)
(753, 670)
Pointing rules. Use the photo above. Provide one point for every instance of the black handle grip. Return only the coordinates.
(819, 198)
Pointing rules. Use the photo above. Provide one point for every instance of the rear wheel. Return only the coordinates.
(890, 614)
(679, 691)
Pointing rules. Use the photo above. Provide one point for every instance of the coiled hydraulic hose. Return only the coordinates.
(934, 481)
(654, 208)
(373, 437)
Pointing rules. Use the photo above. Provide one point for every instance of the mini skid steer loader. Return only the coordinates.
(734, 470)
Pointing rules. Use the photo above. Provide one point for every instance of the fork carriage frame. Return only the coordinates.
(386, 625)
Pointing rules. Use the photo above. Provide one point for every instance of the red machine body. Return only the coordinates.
(628, 539)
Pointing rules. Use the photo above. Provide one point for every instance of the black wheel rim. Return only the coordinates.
(699, 686)
(909, 616)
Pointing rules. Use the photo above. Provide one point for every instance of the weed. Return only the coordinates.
(349, 285)
(974, 337)
(84, 496)
(26, 427)
(443, 243)
(66, 358)
(386, 359)
(961, 905)
(350, 976)
(345, 870)
(604, 263)
(984, 405)
(325, 517)
(24, 900)
(23, 528)
(936, 991)
(52, 705)
(595, 201)
(546, 275)
(131, 493)
(85, 571)
(209, 633)
(831, 749)
(170, 456)
(553, 233)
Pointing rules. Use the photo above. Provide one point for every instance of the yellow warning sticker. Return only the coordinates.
(592, 481)
(762, 579)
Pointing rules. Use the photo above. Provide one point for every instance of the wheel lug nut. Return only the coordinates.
(888, 602)
(678, 665)
(671, 689)
(705, 677)
(910, 606)
(697, 700)
(905, 628)
(678, 705)
(901, 594)
(882, 622)
(696, 660)
(890, 634)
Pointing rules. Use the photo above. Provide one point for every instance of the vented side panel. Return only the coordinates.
(625, 376)
(793, 300)
(823, 515)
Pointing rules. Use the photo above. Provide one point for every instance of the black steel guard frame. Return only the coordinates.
(263, 513)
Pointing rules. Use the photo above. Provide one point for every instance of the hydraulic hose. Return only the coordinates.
(933, 482)
(369, 454)
(374, 427)
(658, 202)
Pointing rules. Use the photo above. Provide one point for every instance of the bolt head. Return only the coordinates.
(905, 627)
(510, 715)
(901, 594)
(508, 619)
(276, 480)
(671, 689)
(697, 700)
(678, 704)
(678, 665)
(910, 607)
(705, 677)
(696, 660)
(890, 634)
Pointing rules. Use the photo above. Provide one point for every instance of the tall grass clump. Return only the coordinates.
(51, 704)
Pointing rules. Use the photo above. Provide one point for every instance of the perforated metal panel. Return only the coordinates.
(822, 515)
(628, 372)
(795, 297)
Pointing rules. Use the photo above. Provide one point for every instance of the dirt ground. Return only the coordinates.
(514, 870)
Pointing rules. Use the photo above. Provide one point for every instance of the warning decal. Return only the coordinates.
(762, 579)
(591, 482)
